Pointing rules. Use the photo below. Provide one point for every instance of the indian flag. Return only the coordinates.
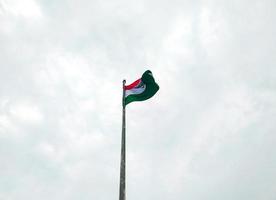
(141, 89)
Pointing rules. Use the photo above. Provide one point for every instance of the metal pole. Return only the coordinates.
(122, 195)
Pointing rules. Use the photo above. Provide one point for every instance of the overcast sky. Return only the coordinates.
(208, 134)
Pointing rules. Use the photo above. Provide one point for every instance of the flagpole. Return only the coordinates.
(122, 195)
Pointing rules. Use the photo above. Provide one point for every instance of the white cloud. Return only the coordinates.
(178, 41)
(26, 113)
(5, 123)
(24, 8)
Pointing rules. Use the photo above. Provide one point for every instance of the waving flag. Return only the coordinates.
(141, 89)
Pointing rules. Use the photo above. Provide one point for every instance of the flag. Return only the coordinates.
(141, 89)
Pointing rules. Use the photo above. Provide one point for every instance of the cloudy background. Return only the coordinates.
(209, 133)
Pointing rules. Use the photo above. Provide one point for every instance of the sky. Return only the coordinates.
(209, 132)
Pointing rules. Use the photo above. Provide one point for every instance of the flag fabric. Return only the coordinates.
(141, 89)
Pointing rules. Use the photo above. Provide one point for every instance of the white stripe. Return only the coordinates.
(135, 90)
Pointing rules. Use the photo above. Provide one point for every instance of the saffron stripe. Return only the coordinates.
(132, 85)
